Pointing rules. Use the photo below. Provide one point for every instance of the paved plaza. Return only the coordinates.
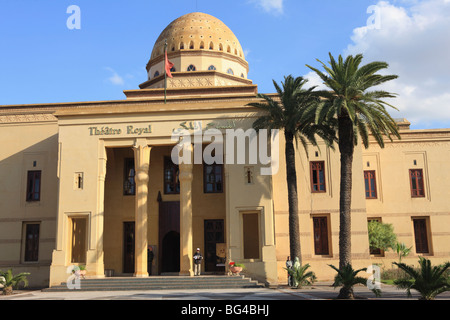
(320, 291)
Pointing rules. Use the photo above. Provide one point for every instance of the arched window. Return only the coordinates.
(173, 69)
(230, 71)
(235, 52)
(156, 74)
(191, 68)
(211, 67)
(211, 46)
(220, 47)
(202, 45)
(242, 75)
(229, 49)
(181, 46)
(191, 45)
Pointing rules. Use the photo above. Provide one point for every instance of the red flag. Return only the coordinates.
(168, 66)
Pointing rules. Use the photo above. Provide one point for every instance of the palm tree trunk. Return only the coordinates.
(291, 177)
(346, 148)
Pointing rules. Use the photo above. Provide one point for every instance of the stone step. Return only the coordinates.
(160, 283)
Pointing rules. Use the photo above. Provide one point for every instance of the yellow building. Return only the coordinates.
(95, 184)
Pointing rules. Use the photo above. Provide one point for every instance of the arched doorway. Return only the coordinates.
(171, 252)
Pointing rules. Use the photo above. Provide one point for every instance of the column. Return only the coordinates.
(97, 222)
(186, 249)
(141, 165)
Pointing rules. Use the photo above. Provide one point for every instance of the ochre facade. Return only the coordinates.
(94, 184)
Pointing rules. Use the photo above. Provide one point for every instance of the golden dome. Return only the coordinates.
(198, 31)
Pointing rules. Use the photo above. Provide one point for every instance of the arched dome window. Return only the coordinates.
(229, 49)
(191, 45)
(235, 52)
(191, 68)
(242, 75)
(220, 47)
(211, 46)
(173, 69)
(230, 71)
(181, 46)
(211, 67)
(156, 74)
(202, 45)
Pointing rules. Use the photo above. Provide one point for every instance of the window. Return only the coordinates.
(31, 242)
(251, 235)
(213, 178)
(129, 184)
(416, 181)
(242, 75)
(317, 176)
(191, 68)
(421, 235)
(211, 67)
(370, 183)
(230, 71)
(211, 46)
(181, 46)
(320, 225)
(156, 74)
(202, 45)
(34, 185)
(191, 45)
(173, 69)
(171, 173)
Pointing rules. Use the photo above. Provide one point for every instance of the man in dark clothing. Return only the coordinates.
(150, 257)
(197, 262)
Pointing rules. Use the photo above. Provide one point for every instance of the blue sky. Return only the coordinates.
(42, 61)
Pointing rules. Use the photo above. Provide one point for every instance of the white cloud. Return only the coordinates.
(415, 42)
(314, 80)
(271, 6)
(115, 78)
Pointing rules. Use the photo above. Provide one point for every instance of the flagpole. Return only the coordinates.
(165, 73)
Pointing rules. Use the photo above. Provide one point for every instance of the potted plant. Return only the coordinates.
(82, 270)
(236, 268)
(10, 282)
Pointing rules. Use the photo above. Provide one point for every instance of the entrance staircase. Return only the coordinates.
(160, 283)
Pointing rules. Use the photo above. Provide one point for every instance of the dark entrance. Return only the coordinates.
(169, 236)
(128, 247)
(214, 233)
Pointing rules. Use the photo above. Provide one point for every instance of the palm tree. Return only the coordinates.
(347, 278)
(359, 113)
(429, 281)
(402, 250)
(301, 277)
(293, 110)
(10, 282)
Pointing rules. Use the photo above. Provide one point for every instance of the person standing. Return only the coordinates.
(150, 256)
(197, 262)
(289, 267)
